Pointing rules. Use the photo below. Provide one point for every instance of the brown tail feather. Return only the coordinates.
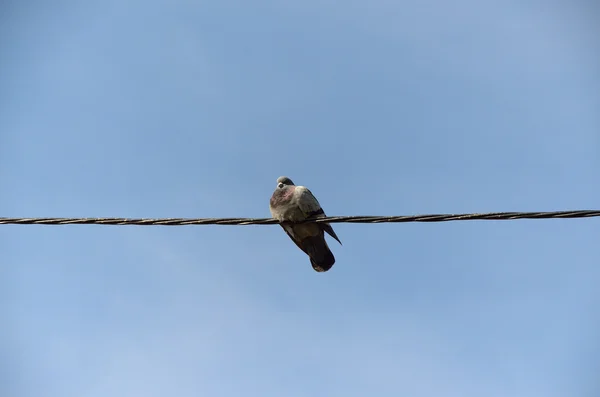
(321, 257)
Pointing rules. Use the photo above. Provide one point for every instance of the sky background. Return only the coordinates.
(194, 108)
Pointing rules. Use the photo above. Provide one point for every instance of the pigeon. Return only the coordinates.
(291, 203)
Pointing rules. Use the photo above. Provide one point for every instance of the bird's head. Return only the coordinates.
(284, 181)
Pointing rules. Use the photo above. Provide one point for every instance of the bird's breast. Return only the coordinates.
(287, 213)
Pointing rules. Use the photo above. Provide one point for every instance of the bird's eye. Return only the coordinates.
(280, 185)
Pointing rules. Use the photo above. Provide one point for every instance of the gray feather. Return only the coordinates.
(290, 203)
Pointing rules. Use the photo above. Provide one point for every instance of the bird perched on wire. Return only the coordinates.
(290, 203)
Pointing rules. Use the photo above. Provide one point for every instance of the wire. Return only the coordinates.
(330, 219)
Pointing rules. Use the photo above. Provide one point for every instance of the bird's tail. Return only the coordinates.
(321, 257)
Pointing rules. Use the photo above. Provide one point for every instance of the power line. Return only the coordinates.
(329, 219)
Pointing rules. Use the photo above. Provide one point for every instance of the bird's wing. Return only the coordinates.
(307, 202)
(289, 230)
(310, 207)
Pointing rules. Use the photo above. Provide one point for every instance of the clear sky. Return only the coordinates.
(161, 108)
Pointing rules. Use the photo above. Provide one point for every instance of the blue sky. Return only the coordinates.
(194, 108)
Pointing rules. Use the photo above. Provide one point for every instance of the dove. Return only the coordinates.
(290, 203)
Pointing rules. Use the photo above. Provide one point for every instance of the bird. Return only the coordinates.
(290, 203)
